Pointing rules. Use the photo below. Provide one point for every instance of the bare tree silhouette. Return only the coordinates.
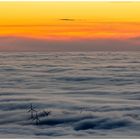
(46, 113)
(36, 118)
(35, 115)
(32, 110)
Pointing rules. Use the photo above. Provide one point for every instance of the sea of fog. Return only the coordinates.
(76, 95)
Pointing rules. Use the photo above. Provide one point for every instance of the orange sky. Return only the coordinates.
(89, 20)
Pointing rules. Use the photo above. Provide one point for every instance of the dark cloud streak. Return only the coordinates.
(67, 19)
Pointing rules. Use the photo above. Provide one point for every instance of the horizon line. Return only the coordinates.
(70, 1)
(38, 25)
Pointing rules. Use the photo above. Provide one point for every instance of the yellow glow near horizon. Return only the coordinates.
(87, 19)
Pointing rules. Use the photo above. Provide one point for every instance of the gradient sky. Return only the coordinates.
(71, 26)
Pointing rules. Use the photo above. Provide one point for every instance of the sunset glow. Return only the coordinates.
(67, 21)
(91, 19)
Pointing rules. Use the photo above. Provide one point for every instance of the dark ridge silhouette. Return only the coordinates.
(101, 123)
